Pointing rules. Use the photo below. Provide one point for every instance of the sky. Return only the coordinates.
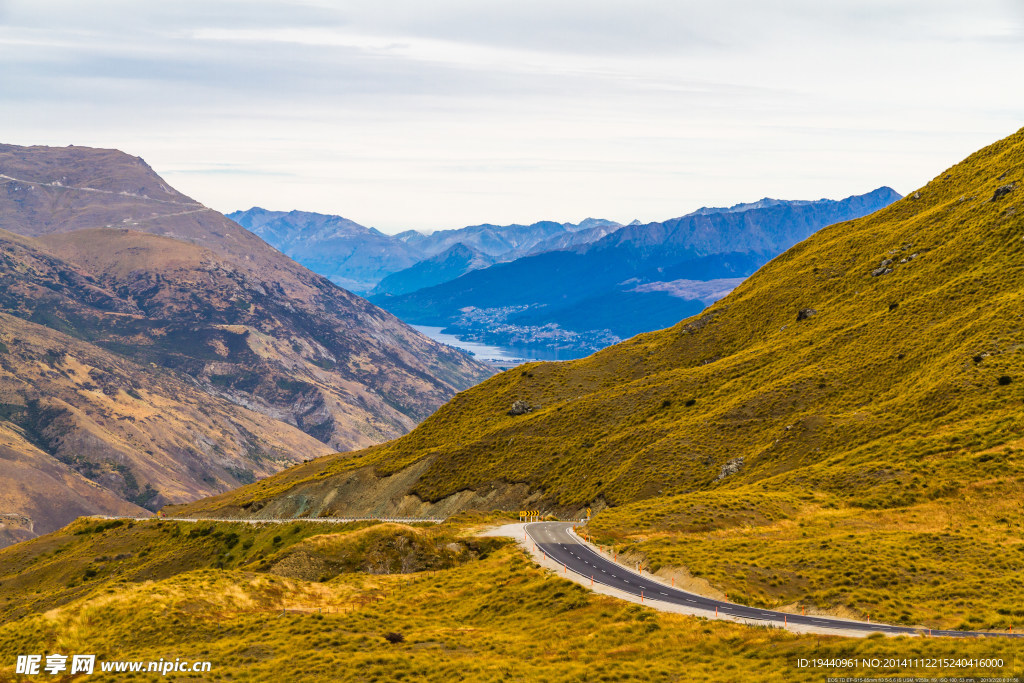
(404, 114)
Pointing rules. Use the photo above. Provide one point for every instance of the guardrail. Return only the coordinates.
(326, 520)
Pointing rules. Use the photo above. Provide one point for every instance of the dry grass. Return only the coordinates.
(498, 618)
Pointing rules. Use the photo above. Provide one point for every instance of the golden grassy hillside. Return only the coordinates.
(93, 553)
(155, 589)
(883, 392)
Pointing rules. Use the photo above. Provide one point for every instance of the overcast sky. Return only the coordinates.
(439, 114)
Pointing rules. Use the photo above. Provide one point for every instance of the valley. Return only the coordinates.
(153, 352)
(834, 441)
(859, 392)
(404, 415)
(555, 291)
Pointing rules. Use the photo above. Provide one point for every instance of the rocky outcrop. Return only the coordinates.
(731, 467)
(1002, 191)
(520, 408)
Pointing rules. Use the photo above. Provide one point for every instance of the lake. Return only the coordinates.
(494, 353)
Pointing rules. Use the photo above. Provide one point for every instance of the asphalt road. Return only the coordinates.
(557, 542)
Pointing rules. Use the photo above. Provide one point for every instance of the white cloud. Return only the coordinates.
(409, 114)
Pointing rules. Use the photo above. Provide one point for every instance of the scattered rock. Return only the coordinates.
(731, 467)
(703, 321)
(883, 269)
(916, 195)
(520, 408)
(806, 313)
(908, 259)
(1002, 191)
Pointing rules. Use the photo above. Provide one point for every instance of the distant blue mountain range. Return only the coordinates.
(579, 287)
(359, 258)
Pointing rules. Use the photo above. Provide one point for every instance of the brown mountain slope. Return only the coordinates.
(230, 285)
(45, 190)
(264, 362)
(341, 370)
(870, 363)
(84, 431)
(31, 477)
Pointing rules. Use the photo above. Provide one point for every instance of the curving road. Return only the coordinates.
(557, 541)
